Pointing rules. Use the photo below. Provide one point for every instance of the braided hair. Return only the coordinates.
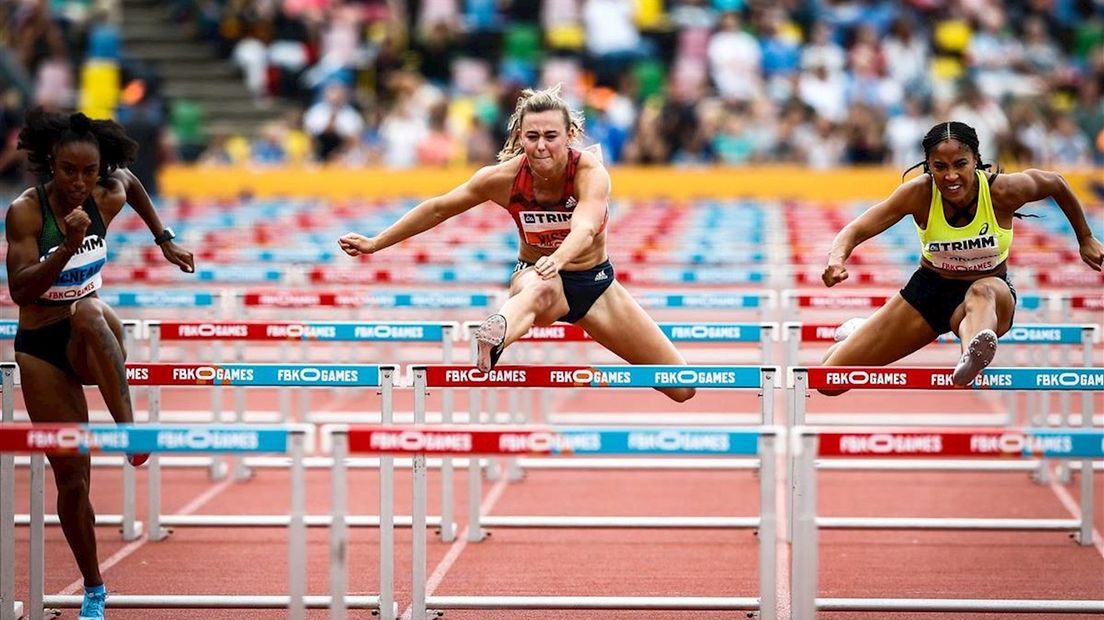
(538, 101)
(951, 130)
(43, 132)
(964, 134)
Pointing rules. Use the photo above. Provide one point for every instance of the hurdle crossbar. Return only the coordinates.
(442, 332)
(563, 441)
(809, 443)
(157, 375)
(909, 378)
(85, 438)
(729, 377)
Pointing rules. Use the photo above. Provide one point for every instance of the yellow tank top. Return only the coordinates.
(981, 245)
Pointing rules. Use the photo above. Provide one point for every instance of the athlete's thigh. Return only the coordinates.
(617, 322)
(1005, 305)
(893, 332)
(51, 395)
(85, 313)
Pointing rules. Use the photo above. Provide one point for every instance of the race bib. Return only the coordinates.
(980, 253)
(545, 229)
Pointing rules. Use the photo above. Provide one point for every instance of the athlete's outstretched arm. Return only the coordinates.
(28, 278)
(1032, 185)
(593, 183)
(425, 216)
(138, 198)
(873, 222)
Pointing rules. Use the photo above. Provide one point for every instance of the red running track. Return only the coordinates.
(599, 562)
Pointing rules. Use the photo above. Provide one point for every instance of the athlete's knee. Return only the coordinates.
(88, 316)
(91, 324)
(982, 291)
(545, 293)
(831, 392)
(71, 477)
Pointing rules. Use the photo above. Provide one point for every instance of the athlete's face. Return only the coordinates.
(76, 168)
(952, 165)
(544, 136)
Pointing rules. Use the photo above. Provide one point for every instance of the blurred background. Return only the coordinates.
(741, 135)
(429, 83)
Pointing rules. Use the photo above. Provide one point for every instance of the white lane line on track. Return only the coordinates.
(459, 544)
(120, 555)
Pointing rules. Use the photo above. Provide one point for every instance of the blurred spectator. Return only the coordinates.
(904, 133)
(981, 111)
(11, 120)
(143, 119)
(1065, 145)
(907, 56)
(781, 52)
(401, 131)
(438, 148)
(734, 60)
(613, 41)
(1088, 113)
(332, 122)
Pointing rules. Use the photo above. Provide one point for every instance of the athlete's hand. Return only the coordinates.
(833, 274)
(355, 244)
(178, 256)
(76, 224)
(547, 267)
(1092, 252)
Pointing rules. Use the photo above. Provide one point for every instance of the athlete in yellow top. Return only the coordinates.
(964, 219)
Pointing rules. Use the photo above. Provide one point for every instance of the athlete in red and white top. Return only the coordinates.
(558, 197)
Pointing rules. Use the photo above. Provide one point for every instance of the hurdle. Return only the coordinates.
(906, 378)
(566, 441)
(254, 375)
(613, 376)
(130, 527)
(1036, 335)
(811, 444)
(85, 438)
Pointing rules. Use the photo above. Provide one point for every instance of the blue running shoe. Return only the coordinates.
(92, 608)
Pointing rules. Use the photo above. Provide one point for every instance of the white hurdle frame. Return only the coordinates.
(476, 520)
(296, 601)
(160, 524)
(804, 448)
(801, 392)
(1035, 335)
(10, 609)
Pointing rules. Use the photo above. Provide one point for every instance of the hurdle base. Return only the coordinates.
(209, 601)
(139, 527)
(960, 605)
(595, 602)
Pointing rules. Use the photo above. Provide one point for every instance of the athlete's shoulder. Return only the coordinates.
(24, 212)
(493, 175)
(918, 189)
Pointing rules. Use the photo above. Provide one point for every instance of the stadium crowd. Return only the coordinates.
(820, 83)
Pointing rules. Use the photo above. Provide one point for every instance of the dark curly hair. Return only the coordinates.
(43, 132)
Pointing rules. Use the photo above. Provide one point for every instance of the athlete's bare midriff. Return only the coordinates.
(998, 272)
